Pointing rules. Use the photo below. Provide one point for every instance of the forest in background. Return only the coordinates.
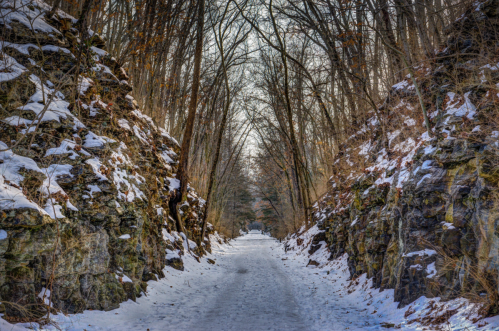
(263, 94)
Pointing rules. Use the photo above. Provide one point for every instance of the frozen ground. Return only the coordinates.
(256, 286)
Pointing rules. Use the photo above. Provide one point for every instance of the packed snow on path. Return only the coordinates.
(256, 286)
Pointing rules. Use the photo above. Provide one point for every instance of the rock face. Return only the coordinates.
(84, 186)
(421, 215)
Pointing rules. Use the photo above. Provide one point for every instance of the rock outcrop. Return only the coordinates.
(85, 177)
(419, 214)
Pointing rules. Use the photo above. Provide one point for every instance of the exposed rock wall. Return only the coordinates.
(84, 186)
(419, 214)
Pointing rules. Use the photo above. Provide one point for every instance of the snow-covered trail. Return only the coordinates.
(253, 286)
(256, 286)
(247, 289)
(258, 294)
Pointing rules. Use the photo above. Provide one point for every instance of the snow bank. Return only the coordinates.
(334, 301)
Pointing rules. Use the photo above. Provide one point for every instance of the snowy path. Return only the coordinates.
(247, 289)
(256, 286)
(258, 295)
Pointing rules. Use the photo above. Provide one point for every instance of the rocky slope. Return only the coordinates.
(418, 214)
(85, 178)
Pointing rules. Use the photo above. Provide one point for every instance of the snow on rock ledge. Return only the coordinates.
(89, 183)
(414, 213)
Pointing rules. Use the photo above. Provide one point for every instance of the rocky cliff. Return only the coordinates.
(85, 177)
(417, 212)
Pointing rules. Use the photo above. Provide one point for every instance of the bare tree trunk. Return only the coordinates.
(294, 143)
(220, 132)
(82, 20)
(211, 180)
(386, 28)
(56, 5)
(183, 175)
